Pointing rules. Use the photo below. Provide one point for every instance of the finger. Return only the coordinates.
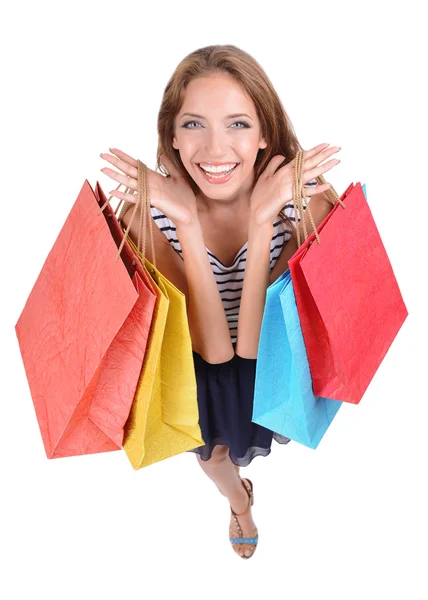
(314, 151)
(316, 189)
(307, 154)
(317, 171)
(319, 148)
(121, 164)
(273, 165)
(123, 156)
(127, 181)
(315, 160)
(123, 196)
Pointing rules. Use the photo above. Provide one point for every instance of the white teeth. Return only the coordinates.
(220, 169)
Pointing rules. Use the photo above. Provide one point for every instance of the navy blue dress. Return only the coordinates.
(225, 401)
(226, 391)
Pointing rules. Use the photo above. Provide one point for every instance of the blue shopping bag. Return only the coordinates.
(283, 397)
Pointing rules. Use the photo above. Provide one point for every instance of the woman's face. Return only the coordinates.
(216, 138)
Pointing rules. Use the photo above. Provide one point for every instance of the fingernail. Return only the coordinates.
(101, 154)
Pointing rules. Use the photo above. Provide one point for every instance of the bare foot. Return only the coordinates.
(246, 522)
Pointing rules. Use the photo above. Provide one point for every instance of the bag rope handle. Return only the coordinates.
(144, 202)
(299, 192)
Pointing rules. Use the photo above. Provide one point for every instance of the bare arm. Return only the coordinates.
(167, 260)
(320, 207)
(207, 320)
(256, 282)
(258, 277)
(208, 325)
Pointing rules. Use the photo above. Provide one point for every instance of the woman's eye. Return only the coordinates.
(242, 123)
(186, 125)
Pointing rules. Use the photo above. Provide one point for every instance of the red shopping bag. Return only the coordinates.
(349, 302)
(83, 332)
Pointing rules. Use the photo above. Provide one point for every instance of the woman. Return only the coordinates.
(223, 136)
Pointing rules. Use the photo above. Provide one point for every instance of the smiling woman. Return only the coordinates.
(222, 124)
(226, 148)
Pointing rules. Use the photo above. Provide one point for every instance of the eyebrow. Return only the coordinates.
(234, 116)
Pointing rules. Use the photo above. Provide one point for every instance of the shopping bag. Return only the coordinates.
(349, 303)
(283, 398)
(83, 333)
(164, 417)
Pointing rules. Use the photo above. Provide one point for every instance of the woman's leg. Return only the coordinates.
(222, 471)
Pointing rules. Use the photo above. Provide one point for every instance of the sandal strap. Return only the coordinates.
(249, 491)
(250, 498)
(242, 513)
(243, 540)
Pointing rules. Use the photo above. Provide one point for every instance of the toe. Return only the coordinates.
(242, 549)
(234, 533)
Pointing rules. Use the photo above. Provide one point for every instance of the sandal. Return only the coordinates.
(245, 540)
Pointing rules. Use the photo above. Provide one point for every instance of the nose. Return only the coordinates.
(216, 145)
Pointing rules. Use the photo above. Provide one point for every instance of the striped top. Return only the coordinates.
(230, 279)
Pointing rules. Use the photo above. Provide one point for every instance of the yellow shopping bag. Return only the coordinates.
(164, 416)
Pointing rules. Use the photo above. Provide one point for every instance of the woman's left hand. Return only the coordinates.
(275, 189)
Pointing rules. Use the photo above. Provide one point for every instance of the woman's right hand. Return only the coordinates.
(171, 195)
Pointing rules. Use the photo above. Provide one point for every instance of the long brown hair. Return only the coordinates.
(276, 126)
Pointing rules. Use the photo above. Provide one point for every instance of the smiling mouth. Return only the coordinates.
(220, 176)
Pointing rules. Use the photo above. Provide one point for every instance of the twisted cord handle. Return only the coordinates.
(144, 202)
(299, 192)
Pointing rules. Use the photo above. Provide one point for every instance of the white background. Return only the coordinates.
(345, 521)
